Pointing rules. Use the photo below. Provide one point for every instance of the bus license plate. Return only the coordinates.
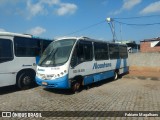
(44, 83)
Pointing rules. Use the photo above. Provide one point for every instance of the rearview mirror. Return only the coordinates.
(73, 62)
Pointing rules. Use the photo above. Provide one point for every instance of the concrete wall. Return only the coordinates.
(149, 62)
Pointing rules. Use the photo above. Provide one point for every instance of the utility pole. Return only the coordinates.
(112, 27)
(121, 31)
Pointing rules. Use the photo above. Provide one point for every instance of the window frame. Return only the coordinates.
(11, 48)
(120, 52)
(75, 59)
(117, 51)
(101, 44)
(26, 47)
(88, 42)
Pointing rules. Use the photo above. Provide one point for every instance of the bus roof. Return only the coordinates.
(89, 39)
(14, 34)
(21, 35)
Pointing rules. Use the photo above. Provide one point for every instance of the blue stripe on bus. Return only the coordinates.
(98, 77)
(56, 83)
(37, 59)
(125, 69)
(118, 64)
(125, 62)
(125, 66)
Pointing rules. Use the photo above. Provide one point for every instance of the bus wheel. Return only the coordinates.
(25, 80)
(76, 86)
(116, 74)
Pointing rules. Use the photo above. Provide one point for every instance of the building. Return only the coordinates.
(150, 45)
(132, 46)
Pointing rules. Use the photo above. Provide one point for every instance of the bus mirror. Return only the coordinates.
(73, 62)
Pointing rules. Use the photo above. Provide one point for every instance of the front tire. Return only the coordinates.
(25, 80)
(76, 87)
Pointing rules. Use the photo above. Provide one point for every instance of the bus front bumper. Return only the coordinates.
(61, 83)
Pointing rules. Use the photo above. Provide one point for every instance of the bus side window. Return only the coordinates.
(82, 52)
(85, 51)
(26, 47)
(113, 51)
(123, 53)
(101, 51)
(6, 52)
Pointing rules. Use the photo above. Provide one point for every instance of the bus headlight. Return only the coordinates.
(41, 76)
(50, 76)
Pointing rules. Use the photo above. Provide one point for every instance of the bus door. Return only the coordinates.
(6, 56)
(82, 59)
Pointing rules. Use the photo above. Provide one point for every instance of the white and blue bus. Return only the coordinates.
(19, 54)
(71, 62)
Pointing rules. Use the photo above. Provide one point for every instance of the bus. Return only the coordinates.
(72, 62)
(19, 55)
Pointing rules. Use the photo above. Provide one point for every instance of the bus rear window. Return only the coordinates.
(26, 47)
(113, 51)
(6, 53)
(123, 53)
(29, 47)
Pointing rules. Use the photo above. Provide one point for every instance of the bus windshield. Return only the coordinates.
(57, 53)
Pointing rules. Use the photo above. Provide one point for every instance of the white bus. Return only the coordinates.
(19, 54)
(71, 62)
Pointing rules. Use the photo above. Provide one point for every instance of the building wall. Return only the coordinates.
(145, 62)
(144, 59)
(146, 47)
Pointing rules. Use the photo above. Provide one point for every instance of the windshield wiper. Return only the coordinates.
(46, 57)
(53, 56)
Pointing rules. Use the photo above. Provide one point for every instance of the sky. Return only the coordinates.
(58, 18)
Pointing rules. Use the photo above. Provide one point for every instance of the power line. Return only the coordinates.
(138, 17)
(114, 19)
(85, 28)
(147, 24)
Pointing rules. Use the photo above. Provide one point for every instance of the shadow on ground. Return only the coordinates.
(8, 89)
(12, 89)
(87, 87)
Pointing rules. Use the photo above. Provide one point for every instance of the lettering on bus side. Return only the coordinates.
(41, 69)
(79, 70)
(104, 65)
